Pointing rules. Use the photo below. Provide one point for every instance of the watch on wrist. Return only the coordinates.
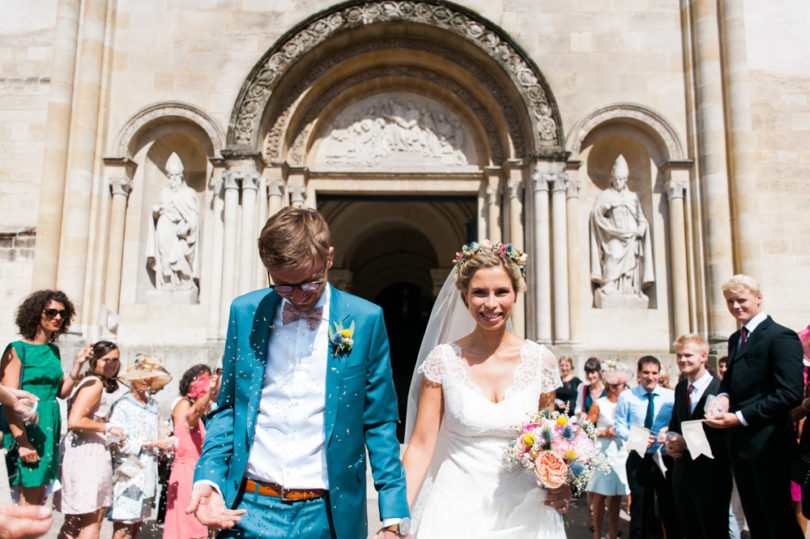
(403, 527)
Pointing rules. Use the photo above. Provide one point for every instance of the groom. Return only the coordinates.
(306, 388)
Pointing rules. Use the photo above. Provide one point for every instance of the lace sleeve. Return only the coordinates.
(432, 367)
(548, 372)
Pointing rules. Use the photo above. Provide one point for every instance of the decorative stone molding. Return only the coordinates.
(232, 178)
(280, 123)
(168, 111)
(528, 81)
(120, 186)
(250, 180)
(648, 119)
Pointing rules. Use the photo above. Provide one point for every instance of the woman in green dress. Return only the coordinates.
(33, 364)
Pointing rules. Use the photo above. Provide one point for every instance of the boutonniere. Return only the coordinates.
(341, 339)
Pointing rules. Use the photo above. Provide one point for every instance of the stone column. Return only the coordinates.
(247, 243)
(259, 273)
(57, 137)
(712, 159)
(73, 246)
(298, 196)
(481, 211)
(559, 236)
(120, 182)
(215, 281)
(275, 188)
(493, 194)
(676, 190)
(514, 192)
(574, 261)
(230, 220)
(740, 138)
(542, 255)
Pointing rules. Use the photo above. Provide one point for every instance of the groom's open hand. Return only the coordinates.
(209, 508)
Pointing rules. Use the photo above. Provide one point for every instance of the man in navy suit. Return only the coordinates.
(701, 485)
(763, 383)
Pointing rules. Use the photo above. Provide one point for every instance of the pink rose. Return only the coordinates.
(561, 445)
(550, 469)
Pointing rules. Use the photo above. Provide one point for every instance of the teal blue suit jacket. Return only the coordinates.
(360, 410)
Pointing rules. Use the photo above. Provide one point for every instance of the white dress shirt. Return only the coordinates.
(288, 445)
(750, 326)
(698, 389)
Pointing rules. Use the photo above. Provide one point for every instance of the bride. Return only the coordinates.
(467, 396)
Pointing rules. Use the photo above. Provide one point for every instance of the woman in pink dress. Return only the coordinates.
(197, 389)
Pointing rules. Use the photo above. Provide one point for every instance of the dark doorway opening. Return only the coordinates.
(406, 308)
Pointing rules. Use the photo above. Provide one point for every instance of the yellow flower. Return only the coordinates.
(346, 333)
(562, 420)
(528, 439)
(570, 455)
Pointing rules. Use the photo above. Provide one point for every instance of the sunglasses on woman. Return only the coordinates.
(51, 313)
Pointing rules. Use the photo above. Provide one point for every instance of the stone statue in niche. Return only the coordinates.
(173, 240)
(621, 250)
(395, 130)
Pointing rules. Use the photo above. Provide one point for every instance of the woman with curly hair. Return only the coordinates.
(86, 470)
(197, 389)
(33, 364)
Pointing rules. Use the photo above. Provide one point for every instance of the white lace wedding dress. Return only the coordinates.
(475, 492)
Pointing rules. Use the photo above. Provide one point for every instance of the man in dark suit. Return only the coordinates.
(762, 385)
(701, 485)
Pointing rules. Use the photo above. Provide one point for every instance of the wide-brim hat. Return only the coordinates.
(147, 367)
(614, 373)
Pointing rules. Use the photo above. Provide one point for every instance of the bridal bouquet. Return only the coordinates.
(558, 450)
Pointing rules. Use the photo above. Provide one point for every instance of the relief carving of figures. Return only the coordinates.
(621, 250)
(392, 130)
(173, 239)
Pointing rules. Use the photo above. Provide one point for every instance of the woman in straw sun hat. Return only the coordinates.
(135, 459)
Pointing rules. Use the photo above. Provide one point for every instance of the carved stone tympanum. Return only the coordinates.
(396, 130)
(621, 250)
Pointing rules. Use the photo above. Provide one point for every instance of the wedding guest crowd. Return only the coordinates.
(752, 413)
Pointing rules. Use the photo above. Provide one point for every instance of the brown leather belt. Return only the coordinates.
(287, 494)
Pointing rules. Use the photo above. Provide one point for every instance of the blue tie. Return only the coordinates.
(648, 420)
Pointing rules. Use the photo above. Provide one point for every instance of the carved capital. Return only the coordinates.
(559, 181)
(676, 189)
(231, 179)
(540, 181)
(514, 188)
(276, 188)
(250, 180)
(297, 195)
(573, 189)
(120, 186)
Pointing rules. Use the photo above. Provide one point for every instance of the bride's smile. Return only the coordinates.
(490, 297)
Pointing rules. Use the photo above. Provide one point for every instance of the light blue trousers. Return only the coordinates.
(272, 518)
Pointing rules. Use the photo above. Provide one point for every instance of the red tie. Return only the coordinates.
(689, 397)
(744, 336)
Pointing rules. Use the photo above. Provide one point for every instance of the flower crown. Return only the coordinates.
(504, 249)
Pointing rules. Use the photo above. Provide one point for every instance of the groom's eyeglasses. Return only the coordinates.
(310, 286)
